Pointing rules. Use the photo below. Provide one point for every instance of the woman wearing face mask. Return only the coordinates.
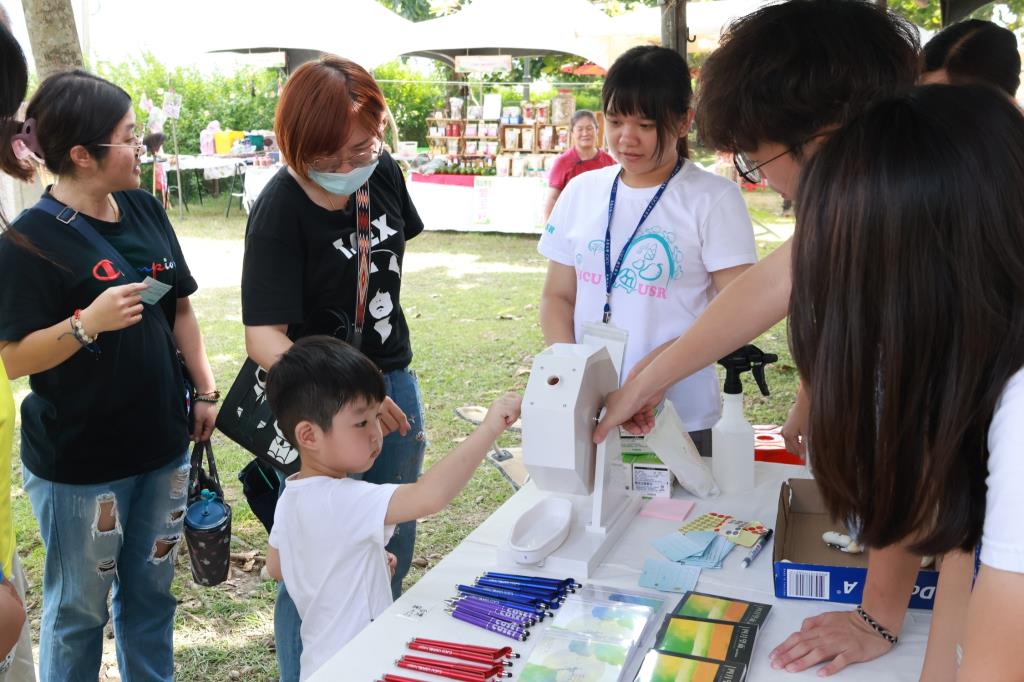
(584, 155)
(301, 268)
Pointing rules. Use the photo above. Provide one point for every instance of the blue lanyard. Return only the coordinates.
(611, 275)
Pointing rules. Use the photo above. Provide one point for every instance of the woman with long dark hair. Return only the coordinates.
(95, 314)
(907, 325)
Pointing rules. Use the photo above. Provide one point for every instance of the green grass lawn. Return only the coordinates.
(472, 311)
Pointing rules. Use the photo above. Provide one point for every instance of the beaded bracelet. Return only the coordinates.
(79, 331)
(880, 629)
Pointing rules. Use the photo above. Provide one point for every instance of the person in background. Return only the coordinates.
(783, 79)
(154, 147)
(584, 155)
(104, 430)
(679, 233)
(301, 265)
(973, 51)
(15, 633)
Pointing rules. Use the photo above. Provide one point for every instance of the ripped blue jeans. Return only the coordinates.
(124, 535)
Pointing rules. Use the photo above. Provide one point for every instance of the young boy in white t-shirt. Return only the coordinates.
(330, 529)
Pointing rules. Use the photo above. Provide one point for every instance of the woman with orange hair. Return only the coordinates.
(323, 255)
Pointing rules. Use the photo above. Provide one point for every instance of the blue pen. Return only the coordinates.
(507, 595)
(756, 549)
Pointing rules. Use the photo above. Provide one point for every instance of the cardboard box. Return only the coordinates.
(649, 476)
(805, 568)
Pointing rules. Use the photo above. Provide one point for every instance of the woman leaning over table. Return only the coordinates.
(300, 271)
(104, 438)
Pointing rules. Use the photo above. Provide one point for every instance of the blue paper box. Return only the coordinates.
(804, 567)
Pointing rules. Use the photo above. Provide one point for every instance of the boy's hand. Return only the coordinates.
(392, 562)
(502, 414)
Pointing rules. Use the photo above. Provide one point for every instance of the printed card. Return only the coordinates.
(712, 639)
(668, 576)
(155, 291)
(661, 666)
(714, 607)
(575, 659)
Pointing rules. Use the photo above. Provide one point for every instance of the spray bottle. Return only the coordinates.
(732, 438)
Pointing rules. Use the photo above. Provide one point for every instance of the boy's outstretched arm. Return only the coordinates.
(438, 486)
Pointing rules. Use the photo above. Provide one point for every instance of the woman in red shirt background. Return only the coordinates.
(583, 156)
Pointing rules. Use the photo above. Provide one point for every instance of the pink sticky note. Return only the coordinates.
(666, 508)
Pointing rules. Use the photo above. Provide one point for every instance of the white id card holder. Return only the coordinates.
(600, 335)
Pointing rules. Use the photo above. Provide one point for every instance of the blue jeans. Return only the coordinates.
(400, 461)
(122, 534)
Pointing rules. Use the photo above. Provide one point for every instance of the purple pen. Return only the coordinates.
(499, 626)
(521, 620)
(536, 611)
(499, 609)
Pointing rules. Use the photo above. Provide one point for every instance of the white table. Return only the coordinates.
(373, 652)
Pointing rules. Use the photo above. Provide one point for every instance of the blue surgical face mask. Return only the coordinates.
(343, 183)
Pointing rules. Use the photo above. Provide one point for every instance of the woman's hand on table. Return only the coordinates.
(840, 637)
(392, 418)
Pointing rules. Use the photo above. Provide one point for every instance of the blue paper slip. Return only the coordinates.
(679, 546)
(668, 576)
(714, 555)
(155, 291)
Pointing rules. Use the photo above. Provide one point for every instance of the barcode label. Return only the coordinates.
(807, 584)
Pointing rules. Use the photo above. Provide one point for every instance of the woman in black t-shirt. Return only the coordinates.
(104, 429)
(301, 268)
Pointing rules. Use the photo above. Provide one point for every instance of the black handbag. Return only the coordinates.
(246, 417)
(261, 488)
(207, 521)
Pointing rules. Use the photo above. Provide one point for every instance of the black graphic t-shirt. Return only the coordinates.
(301, 265)
(120, 412)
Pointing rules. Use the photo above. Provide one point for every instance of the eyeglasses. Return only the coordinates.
(140, 149)
(331, 164)
(750, 171)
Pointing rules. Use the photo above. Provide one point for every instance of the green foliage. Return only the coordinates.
(411, 103)
(242, 101)
(927, 14)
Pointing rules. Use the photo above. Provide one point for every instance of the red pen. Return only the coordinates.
(462, 654)
(496, 652)
(441, 671)
(488, 670)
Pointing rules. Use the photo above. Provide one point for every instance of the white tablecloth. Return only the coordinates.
(373, 652)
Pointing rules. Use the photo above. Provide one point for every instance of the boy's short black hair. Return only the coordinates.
(975, 51)
(786, 71)
(316, 378)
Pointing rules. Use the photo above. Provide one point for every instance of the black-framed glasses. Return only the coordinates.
(331, 164)
(750, 171)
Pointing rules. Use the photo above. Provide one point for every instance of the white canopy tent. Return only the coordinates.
(523, 28)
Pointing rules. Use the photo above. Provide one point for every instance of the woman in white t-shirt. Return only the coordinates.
(678, 235)
(907, 326)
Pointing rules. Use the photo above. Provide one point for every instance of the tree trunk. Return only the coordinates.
(54, 37)
(674, 32)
